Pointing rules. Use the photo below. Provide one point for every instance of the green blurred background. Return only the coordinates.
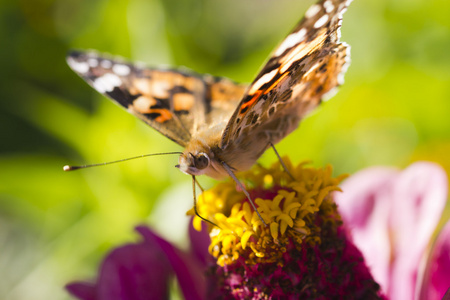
(54, 227)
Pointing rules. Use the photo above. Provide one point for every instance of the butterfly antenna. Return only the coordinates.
(73, 168)
(194, 181)
(230, 172)
(281, 161)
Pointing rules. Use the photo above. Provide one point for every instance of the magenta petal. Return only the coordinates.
(131, 272)
(189, 274)
(419, 197)
(134, 272)
(82, 290)
(199, 243)
(365, 206)
(437, 276)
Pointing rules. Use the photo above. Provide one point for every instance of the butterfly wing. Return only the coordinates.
(174, 102)
(223, 96)
(308, 64)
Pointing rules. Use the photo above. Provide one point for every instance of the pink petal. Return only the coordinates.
(365, 205)
(437, 276)
(419, 197)
(392, 216)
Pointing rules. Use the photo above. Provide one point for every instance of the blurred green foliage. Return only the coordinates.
(54, 227)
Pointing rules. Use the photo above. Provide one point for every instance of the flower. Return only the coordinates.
(392, 216)
(303, 252)
(307, 250)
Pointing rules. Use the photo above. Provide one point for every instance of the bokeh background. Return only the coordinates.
(393, 109)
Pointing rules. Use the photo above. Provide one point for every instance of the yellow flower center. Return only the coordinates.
(288, 206)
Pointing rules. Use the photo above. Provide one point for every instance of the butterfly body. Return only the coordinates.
(224, 126)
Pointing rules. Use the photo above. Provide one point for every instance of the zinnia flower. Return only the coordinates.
(304, 252)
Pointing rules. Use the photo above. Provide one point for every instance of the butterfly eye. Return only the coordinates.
(201, 161)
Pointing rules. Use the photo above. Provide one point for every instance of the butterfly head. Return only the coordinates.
(194, 163)
(201, 158)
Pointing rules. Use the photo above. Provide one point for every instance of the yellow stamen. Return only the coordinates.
(290, 210)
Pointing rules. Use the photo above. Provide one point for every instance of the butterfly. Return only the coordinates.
(223, 126)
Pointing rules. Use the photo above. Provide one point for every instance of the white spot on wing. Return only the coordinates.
(93, 62)
(78, 66)
(263, 80)
(344, 68)
(330, 94)
(298, 54)
(291, 40)
(107, 83)
(322, 21)
(328, 6)
(121, 69)
(312, 11)
(106, 64)
(340, 77)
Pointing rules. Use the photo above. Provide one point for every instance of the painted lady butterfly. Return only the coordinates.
(223, 126)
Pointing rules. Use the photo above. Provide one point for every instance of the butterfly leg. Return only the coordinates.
(241, 186)
(281, 161)
(195, 203)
